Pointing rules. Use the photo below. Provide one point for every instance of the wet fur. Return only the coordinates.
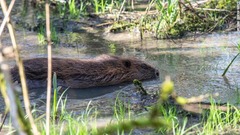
(100, 71)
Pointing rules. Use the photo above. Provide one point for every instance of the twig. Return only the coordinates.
(216, 24)
(49, 79)
(199, 2)
(104, 24)
(209, 9)
(199, 107)
(191, 9)
(21, 69)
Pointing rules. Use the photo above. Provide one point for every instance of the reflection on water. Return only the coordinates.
(75, 93)
(91, 92)
(87, 93)
(195, 64)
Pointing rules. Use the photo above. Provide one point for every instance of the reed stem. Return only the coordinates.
(49, 79)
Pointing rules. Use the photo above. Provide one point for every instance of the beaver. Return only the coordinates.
(100, 71)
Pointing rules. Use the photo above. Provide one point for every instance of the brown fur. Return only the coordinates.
(101, 71)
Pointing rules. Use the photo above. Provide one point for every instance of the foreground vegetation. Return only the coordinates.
(162, 118)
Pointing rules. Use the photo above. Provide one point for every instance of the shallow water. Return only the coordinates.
(195, 64)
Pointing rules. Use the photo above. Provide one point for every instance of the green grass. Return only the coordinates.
(112, 48)
(217, 121)
(54, 35)
(41, 35)
(163, 118)
(100, 6)
(74, 11)
(120, 110)
(213, 121)
(168, 17)
(71, 9)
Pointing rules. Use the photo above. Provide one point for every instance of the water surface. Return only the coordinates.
(195, 64)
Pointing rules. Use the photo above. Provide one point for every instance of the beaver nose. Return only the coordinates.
(157, 73)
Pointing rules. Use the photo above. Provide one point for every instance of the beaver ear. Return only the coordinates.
(127, 63)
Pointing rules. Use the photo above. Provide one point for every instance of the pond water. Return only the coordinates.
(195, 64)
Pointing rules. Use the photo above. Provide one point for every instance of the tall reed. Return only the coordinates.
(49, 73)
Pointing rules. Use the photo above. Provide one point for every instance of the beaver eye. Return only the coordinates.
(127, 63)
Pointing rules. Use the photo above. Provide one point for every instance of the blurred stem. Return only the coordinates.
(49, 79)
(131, 124)
(12, 102)
(21, 69)
(22, 125)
